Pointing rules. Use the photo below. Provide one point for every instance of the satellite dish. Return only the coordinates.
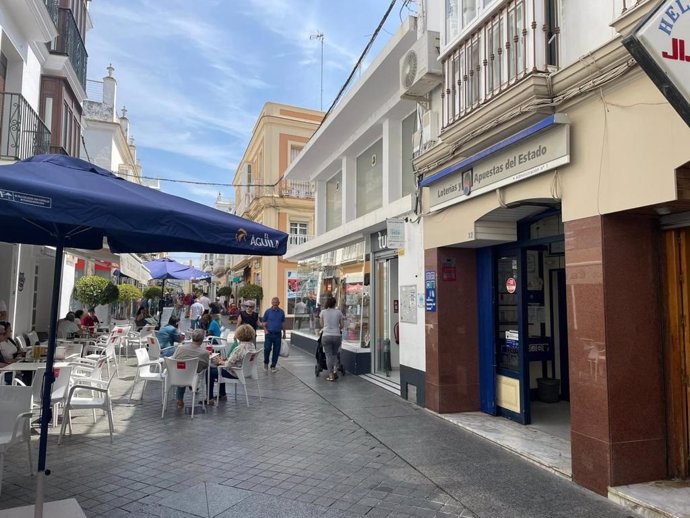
(409, 70)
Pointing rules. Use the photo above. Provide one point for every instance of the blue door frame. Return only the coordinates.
(488, 307)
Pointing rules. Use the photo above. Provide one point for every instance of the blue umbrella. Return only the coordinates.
(67, 202)
(167, 268)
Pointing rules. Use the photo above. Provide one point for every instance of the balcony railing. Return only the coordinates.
(70, 42)
(22, 132)
(517, 40)
(298, 239)
(283, 189)
(52, 6)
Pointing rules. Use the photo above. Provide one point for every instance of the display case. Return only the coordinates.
(355, 308)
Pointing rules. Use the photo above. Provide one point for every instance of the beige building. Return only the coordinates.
(264, 196)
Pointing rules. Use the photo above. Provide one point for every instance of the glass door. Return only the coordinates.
(509, 338)
(386, 353)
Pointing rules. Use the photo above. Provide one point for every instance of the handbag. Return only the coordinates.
(284, 349)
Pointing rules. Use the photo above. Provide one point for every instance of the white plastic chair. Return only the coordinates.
(155, 348)
(248, 370)
(181, 373)
(147, 370)
(88, 394)
(60, 388)
(32, 338)
(115, 338)
(21, 343)
(15, 425)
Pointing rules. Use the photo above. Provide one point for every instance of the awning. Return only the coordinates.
(132, 266)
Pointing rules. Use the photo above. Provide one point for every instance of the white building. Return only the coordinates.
(360, 161)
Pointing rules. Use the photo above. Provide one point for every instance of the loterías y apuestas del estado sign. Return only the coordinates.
(661, 45)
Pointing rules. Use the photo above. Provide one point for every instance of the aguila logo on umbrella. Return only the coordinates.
(264, 241)
(241, 235)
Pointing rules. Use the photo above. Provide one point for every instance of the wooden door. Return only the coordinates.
(677, 350)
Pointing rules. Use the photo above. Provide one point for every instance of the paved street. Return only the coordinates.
(310, 448)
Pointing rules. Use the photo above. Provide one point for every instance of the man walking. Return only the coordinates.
(274, 330)
(195, 312)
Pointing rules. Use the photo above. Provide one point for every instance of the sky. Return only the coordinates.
(194, 75)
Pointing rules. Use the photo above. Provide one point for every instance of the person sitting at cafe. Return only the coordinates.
(67, 327)
(168, 335)
(10, 353)
(140, 318)
(90, 320)
(212, 327)
(191, 351)
(245, 336)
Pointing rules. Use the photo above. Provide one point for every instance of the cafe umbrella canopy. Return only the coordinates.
(63, 201)
(166, 268)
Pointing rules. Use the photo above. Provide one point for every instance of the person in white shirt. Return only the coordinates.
(67, 327)
(205, 301)
(195, 312)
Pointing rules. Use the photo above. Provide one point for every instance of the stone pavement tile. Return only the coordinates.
(195, 500)
(261, 506)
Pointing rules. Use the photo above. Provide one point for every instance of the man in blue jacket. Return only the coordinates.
(274, 330)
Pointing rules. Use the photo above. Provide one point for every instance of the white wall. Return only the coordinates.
(99, 144)
(46, 270)
(67, 286)
(584, 27)
(24, 292)
(411, 271)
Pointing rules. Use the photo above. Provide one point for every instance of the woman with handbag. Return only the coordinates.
(332, 336)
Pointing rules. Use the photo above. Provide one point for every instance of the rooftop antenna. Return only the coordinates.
(318, 35)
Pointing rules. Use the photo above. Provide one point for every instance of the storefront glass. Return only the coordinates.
(339, 274)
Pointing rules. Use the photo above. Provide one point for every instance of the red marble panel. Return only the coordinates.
(590, 462)
(638, 461)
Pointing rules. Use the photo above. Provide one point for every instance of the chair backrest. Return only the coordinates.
(37, 386)
(33, 338)
(62, 381)
(14, 400)
(181, 373)
(250, 365)
(21, 342)
(154, 347)
(72, 349)
(142, 358)
(119, 332)
(147, 330)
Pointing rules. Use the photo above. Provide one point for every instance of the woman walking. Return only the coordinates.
(332, 324)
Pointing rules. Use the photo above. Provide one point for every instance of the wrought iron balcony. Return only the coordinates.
(22, 132)
(298, 239)
(52, 6)
(515, 41)
(283, 189)
(70, 43)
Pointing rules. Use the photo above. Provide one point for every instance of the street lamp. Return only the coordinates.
(319, 36)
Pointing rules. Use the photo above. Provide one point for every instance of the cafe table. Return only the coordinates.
(31, 366)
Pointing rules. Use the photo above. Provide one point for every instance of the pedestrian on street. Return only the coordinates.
(274, 329)
(195, 312)
(332, 337)
(248, 316)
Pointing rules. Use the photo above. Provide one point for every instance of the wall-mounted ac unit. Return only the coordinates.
(427, 135)
(420, 69)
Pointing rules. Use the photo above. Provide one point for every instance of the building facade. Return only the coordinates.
(42, 87)
(367, 252)
(555, 230)
(262, 194)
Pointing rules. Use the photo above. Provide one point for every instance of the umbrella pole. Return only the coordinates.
(46, 410)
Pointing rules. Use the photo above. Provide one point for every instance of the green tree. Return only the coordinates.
(111, 293)
(90, 290)
(152, 292)
(128, 293)
(224, 291)
(252, 291)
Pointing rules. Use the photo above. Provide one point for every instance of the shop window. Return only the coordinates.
(546, 227)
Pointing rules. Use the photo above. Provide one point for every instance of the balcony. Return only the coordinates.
(22, 132)
(298, 239)
(71, 44)
(283, 189)
(517, 40)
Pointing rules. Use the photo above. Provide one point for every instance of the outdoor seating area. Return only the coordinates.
(85, 371)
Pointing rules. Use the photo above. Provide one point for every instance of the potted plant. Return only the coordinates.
(92, 290)
(252, 292)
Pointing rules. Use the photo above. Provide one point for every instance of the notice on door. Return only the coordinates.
(511, 285)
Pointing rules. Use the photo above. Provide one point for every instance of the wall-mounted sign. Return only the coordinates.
(512, 163)
(661, 45)
(395, 232)
(408, 304)
(430, 291)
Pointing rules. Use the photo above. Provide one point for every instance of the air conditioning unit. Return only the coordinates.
(427, 135)
(420, 69)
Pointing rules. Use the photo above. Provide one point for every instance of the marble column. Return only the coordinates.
(452, 350)
(615, 348)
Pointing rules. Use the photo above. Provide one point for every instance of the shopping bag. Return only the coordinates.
(284, 349)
